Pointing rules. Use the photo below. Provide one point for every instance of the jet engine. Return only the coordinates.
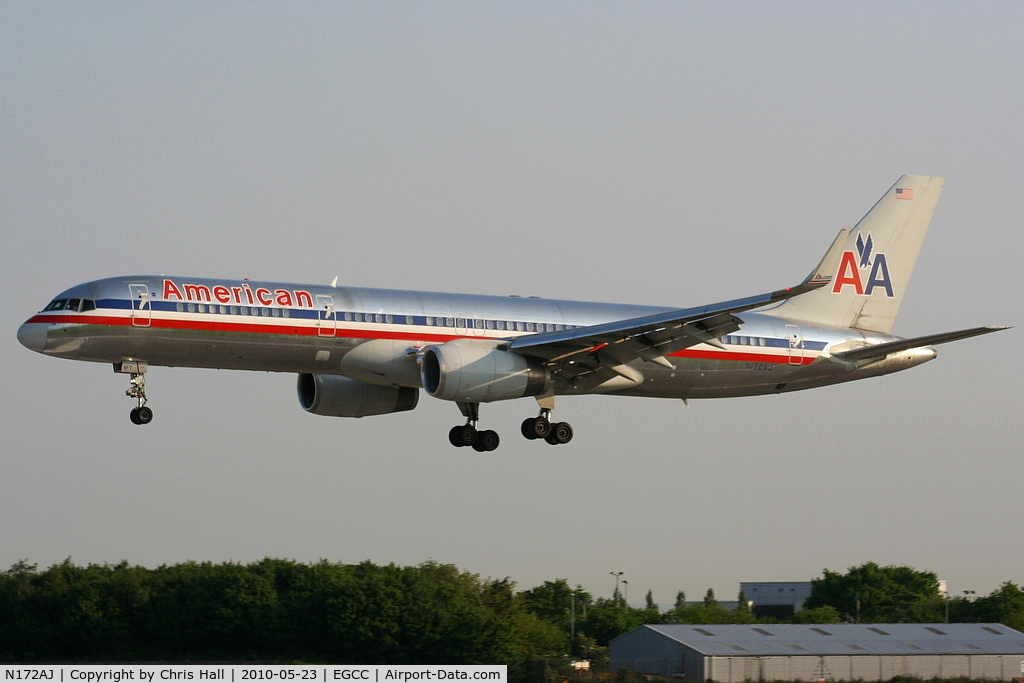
(339, 396)
(462, 370)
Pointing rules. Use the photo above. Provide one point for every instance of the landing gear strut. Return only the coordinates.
(142, 414)
(468, 435)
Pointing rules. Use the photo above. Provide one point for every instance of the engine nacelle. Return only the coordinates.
(468, 371)
(339, 396)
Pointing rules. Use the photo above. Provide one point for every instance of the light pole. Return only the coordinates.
(625, 591)
(617, 576)
(572, 611)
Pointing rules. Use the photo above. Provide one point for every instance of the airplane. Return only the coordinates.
(360, 351)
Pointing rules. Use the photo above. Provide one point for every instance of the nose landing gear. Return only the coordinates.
(142, 414)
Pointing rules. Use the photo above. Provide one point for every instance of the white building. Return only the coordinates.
(736, 653)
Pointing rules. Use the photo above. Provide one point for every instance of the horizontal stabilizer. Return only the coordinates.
(870, 354)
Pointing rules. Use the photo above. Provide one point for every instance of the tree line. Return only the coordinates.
(283, 611)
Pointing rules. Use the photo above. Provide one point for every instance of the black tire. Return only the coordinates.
(486, 440)
(536, 428)
(134, 416)
(561, 433)
(462, 435)
(144, 415)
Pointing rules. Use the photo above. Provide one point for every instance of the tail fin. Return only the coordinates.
(875, 263)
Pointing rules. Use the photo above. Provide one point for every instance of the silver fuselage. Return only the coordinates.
(248, 325)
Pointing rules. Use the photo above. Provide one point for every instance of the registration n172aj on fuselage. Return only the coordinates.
(360, 351)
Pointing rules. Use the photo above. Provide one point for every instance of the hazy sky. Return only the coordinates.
(667, 153)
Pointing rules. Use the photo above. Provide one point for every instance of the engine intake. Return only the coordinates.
(340, 396)
(461, 370)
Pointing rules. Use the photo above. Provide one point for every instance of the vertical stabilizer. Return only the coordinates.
(875, 263)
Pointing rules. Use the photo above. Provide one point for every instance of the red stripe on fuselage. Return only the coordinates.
(249, 328)
(353, 333)
(742, 357)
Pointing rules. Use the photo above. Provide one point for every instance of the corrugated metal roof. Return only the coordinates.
(843, 639)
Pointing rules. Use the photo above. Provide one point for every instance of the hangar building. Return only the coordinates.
(734, 653)
(776, 598)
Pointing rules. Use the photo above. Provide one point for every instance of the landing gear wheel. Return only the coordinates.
(535, 427)
(487, 440)
(561, 433)
(140, 415)
(462, 435)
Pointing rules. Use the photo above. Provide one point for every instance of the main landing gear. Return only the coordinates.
(142, 414)
(468, 435)
(541, 427)
(532, 428)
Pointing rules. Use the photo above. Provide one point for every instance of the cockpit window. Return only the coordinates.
(76, 305)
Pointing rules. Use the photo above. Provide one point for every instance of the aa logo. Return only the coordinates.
(853, 267)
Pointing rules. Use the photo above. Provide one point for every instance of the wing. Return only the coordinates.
(588, 356)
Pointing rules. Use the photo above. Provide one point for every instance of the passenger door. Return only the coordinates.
(142, 305)
(796, 345)
(327, 316)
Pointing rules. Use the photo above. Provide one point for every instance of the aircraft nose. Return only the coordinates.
(33, 336)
